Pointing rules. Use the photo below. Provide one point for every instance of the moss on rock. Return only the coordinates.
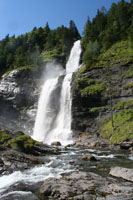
(22, 143)
(4, 136)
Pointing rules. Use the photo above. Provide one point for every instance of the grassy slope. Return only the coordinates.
(120, 53)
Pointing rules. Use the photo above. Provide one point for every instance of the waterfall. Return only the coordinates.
(74, 58)
(53, 126)
(42, 123)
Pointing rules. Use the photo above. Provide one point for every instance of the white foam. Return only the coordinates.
(130, 157)
(23, 193)
(33, 175)
(104, 156)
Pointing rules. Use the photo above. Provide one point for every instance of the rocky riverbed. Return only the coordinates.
(19, 151)
(70, 173)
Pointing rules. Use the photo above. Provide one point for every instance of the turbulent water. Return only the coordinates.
(54, 124)
(19, 185)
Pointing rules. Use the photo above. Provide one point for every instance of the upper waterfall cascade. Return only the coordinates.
(53, 120)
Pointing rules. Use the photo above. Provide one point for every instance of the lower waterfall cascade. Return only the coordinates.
(54, 124)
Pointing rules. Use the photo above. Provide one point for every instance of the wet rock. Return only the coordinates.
(124, 173)
(74, 185)
(126, 145)
(56, 143)
(122, 190)
(89, 157)
(85, 186)
(71, 145)
(20, 151)
(71, 162)
(21, 195)
(131, 150)
(2, 148)
(13, 160)
(21, 142)
(118, 197)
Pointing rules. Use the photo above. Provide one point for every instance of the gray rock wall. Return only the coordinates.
(85, 117)
(19, 91)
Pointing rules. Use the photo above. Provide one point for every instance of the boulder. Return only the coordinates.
(126, 145)
(89, 157)
(71, 162)
(13, 160)
(19, 151)
(84, 186)
(56, 143)
(131, 150)
(73, 185)
(21, 142)
(124, 173)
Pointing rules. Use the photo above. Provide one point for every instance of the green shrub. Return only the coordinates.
(128, 86)
(92, 90)
(91, 81)
(95, 109)
(123, 104)
(83, 82)
(83, 69)
(128, 73)
(23, 68)
(4, 137)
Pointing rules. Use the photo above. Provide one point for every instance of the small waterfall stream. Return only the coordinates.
(49, 128)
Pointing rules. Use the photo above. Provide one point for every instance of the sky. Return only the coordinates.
(21, 16)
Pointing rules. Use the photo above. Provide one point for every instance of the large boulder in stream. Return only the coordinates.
(89, 157)
(56, 143)
(84, 186)
(124, 173)
(20, 151)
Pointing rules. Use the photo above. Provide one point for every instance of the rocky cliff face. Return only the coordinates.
(19, 93)
(100, 94)
(18, 97)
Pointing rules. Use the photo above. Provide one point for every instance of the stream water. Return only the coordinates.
(22, 184)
